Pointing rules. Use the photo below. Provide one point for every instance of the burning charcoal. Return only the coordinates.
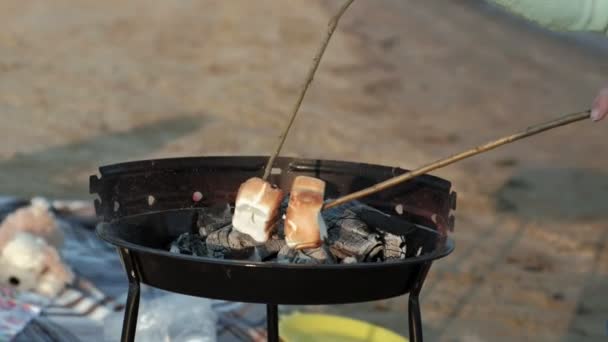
(271, 248)
(349, 260)
(286, 254)
(302, 258)
(350, 222)
(239, 240)
(230, 244)
(190, 244)
(218, 240)
(350, 237)
(394, 246)
(333, 215)
(319, 255)
(213, 218)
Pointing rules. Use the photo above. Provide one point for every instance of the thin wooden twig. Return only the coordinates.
(561, 121)
(333, 23)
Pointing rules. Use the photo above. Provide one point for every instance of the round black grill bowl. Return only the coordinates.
(144, 205)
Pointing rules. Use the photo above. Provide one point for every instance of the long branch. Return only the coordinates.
(333, 23)
(561, 121)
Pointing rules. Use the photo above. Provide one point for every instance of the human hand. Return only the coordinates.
(599, 109)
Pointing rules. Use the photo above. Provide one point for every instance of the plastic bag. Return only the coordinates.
(165, 316)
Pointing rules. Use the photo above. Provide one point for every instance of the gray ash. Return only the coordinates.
(354, 235)
(351, 237)
(395, 247)
(227, 243)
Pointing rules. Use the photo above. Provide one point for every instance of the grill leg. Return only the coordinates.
(272, 322)
(129, 324)
(414, 317)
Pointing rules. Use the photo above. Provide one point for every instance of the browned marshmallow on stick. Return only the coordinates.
(304, 226)
(256, 209)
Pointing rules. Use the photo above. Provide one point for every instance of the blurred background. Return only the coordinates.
(88, 83)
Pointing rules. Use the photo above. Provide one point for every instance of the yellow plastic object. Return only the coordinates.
(300, 327)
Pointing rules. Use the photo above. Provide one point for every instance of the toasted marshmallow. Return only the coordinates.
(304, 225)
(256, 209)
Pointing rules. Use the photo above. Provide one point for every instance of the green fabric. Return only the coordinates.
(562, 15)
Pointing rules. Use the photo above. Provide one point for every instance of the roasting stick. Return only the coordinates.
(333, 23)
(532, 130)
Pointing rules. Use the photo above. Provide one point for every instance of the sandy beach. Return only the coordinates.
(403, 83)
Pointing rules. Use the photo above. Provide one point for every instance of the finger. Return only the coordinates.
(599, 109)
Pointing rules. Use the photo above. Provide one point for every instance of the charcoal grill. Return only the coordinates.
(144, 205)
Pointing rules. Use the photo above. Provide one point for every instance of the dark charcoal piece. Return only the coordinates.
(394, 247)
(307, 256)
(280, 230)
(213, 218)
(351, 223)
(286, 254)
(321, 255)
(350, 237)
(271, 248)
(230, 244)
(332, 215)
(190, 244)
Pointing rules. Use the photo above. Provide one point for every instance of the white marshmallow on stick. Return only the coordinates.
(304, 225)
(256, 209)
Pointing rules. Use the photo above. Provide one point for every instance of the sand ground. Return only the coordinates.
(84, 84)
